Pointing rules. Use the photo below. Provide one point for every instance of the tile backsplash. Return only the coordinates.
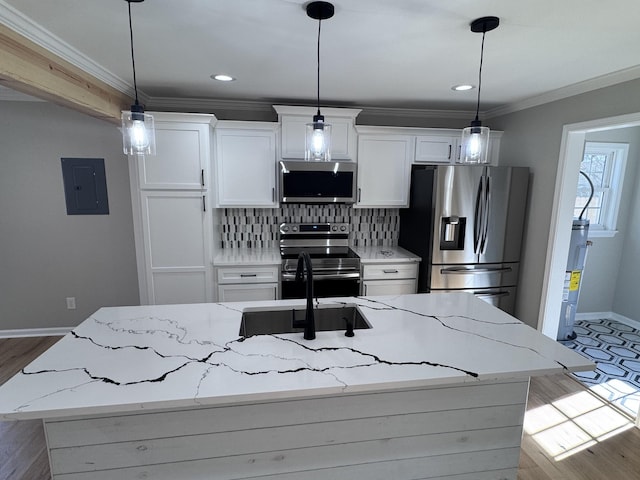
(258, 227)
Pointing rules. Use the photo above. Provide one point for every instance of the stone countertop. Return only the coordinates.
(385, 255)
(132, 359)
(248, 256)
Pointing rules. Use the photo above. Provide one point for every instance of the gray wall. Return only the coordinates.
(47, 255)
(606, 259)
(532, 138)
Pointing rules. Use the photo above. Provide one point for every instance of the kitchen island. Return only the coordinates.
(436, 388)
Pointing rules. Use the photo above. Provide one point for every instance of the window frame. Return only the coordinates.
(611, 206)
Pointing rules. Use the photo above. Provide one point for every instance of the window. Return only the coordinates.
(604, 164)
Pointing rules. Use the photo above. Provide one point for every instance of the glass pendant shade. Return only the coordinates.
(475, 144)
(318, 141)
(138, 132)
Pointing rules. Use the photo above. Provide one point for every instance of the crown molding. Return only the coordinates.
(602, 81)
(20, 23)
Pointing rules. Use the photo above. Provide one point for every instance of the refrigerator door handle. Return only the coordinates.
(485, 214)
(489, 295)
(474, 271)
(477, 216)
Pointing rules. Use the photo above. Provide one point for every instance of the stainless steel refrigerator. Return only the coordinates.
(466, 223)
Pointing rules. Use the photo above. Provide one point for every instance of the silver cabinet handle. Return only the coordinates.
(389, 271)
(473, 271)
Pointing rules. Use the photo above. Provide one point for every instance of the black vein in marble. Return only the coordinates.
(439, 318)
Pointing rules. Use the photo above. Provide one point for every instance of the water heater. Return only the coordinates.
(573, 276)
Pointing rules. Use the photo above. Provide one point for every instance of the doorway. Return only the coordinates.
(571, 153)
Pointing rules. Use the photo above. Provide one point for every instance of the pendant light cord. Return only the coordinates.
(318, 74)
(133, 60)
(480, 74)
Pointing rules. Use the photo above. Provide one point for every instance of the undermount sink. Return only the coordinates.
(269, 321)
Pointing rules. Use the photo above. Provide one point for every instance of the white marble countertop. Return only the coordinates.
(247, 256)
(128, 359)
(385, 255)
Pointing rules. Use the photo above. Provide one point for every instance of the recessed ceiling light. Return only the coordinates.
(462, 88)
(222, 77)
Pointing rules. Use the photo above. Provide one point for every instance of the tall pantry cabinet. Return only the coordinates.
(172, 211)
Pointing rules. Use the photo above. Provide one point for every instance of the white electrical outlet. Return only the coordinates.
(71, 303)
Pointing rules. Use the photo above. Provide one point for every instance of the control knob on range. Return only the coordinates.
(295, 229)
(285, 229)
(343, 228)
(334, 228)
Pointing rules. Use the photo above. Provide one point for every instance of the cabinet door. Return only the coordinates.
(182, 159)
(389, 287)
(177, 236)
(248, 292)
(436, 149)
(384, 167)
(294, 133)
(246, 168)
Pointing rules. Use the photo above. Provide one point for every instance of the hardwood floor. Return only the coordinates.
(23, 450)
(562, 417)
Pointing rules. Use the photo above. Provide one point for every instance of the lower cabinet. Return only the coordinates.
(247, 283)
(389, 278)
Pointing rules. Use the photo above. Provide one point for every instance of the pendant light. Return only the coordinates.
(318, 133)
(138, 130)
(475, 138)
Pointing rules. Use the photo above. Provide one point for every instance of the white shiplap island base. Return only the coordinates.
(437, 388)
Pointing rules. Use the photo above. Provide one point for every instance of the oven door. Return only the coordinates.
(324, 285)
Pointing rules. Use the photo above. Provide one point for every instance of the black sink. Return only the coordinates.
(269, 321)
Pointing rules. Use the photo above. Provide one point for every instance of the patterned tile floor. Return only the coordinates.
(615, 347)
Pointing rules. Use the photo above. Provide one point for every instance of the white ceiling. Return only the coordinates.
(375, 53)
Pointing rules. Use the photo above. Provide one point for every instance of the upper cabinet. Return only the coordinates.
(245, 158)
(444, 146)
(384, 168)
(293, 122)
(183, 153)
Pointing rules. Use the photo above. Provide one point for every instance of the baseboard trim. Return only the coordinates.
(35, 332)
(610, 315)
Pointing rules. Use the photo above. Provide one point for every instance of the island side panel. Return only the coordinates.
(471, 430)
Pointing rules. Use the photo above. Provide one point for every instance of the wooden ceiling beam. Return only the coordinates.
(31, 69)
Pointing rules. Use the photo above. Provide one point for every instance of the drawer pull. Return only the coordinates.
(390, 271)
(244, 275)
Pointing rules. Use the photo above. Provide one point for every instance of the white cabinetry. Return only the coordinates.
(443, 146)
(437, 148)
(245, 157)
(389, 278)
(247, 283)
(172, 212)
(384, 169)
(293, 121)
(183, 153)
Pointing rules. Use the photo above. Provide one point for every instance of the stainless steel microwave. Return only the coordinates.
(317, 182)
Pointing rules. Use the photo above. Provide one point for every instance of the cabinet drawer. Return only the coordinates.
(389, 271)
(249, 274)
(247, 293)
(389, 287)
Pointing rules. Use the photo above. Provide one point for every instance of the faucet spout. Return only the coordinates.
(304, 263)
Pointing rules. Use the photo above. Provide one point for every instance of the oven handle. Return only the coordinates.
(289, 277)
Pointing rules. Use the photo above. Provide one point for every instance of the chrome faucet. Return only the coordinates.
(304, 263)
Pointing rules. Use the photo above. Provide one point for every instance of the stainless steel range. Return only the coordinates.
(336, 268)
